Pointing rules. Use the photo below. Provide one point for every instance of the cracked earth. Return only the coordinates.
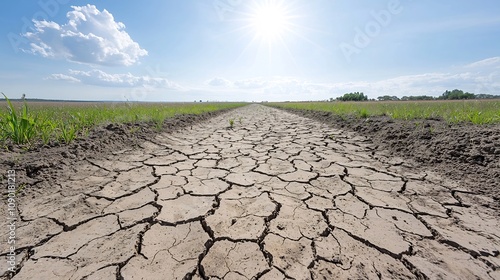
(277, 196)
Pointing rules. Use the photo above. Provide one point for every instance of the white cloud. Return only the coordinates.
(283, 86)
(279, 88)
(493, 62)
(101, 78)
(256, 83)
(90, 36)
(478, 77)
(218, 82)
(63, 77)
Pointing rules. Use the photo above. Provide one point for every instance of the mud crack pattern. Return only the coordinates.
(277, 196)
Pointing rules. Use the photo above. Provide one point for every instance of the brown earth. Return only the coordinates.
(43, 161)
(461, 151)
(278, 196)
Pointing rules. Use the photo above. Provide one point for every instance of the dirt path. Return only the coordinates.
(277, 197)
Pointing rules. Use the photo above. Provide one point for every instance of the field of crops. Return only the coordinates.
(473, 111)
(26, 123)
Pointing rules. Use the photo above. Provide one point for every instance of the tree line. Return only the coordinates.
(353, 96)
(455, 94)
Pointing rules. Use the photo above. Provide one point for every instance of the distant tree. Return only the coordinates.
(457, 94)
(353, 96)
(487, 96)
(417, 97)
(388, 98)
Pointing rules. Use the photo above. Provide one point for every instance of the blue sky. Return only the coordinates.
(231, 50)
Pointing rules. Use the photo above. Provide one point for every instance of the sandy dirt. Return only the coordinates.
(278, 196)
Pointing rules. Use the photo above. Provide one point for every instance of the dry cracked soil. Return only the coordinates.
(278, 196)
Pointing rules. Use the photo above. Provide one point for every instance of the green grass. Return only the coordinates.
(471, 111)
(18, 125)
(27, 123)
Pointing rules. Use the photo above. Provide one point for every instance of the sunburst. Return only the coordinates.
(273, 27)
(270, 20)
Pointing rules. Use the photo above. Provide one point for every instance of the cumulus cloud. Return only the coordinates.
(478, 77)
(63, 77)
(251, 83)
(276, 88)
(281, 85)
(219, 82)
(493, 62)
(89, 36)
(101, 78)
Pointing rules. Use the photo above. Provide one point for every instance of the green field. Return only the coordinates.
(472, 111)
(44, 122)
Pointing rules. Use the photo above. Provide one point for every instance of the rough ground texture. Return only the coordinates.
(278, 196)
(464, 152)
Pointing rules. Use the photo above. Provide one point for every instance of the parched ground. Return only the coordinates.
(464, 152)
(278, 196)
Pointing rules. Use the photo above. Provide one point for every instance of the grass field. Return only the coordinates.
(473, 111)
(31, 122)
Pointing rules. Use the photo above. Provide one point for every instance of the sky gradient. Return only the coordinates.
(235, 50)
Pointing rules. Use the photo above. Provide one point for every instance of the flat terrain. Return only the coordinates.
(277, 196)
(459, 139)
(35, 124)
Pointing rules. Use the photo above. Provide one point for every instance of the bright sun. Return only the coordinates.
(270, 20)
(270, 26)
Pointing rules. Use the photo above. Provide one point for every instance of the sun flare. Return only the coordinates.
(270, 20)
(272, 28)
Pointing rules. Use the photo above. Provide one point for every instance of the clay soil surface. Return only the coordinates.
(277, 196)
(464, 152)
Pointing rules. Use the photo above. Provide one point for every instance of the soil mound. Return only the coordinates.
(43, 161)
